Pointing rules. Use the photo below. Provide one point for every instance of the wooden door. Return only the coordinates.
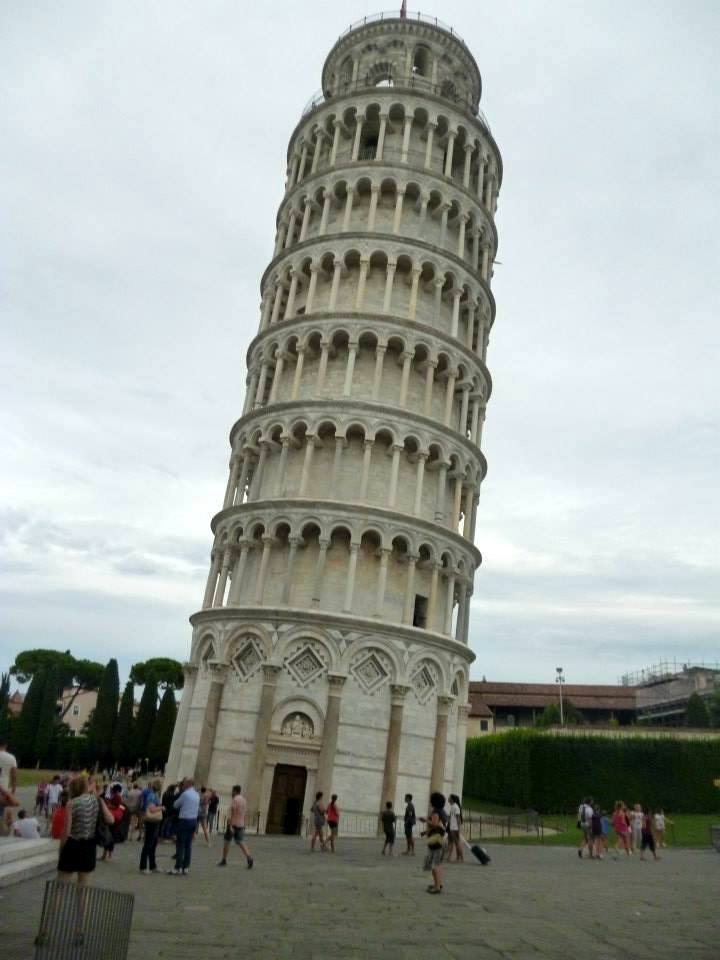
(286, 800)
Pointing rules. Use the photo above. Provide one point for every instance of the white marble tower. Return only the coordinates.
(331, 649)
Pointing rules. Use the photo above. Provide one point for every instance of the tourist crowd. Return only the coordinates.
(636, 830)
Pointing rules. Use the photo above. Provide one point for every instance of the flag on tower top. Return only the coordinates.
(403, 9)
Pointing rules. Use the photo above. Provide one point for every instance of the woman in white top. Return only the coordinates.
(454, 813)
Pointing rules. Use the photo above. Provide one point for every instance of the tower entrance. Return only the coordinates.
(286, 800)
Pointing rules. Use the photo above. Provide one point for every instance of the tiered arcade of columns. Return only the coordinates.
(333, 633)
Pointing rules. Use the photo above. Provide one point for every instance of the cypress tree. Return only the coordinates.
(697, 714)
(145, 719)
(5, 718)
(46, 730)
(27, 724)
(162, 731)
(105, 714)
(122, 737)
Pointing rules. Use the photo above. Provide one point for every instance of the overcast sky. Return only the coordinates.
(142, 162)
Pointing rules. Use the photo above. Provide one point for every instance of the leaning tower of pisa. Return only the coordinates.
(331, 651)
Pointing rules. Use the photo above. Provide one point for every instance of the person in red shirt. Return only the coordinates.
(57, 824)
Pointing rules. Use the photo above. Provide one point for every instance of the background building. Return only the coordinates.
(331, 651)
(657, 695)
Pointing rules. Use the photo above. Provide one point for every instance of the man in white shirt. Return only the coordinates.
(8, 768)
(8, 783)
(454, 819)
(26, 827)
(52, 795)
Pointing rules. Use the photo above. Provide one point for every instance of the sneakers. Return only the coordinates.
(250, 862)
(185, 872)
(174, 872)
(147, 871)
(223, 862)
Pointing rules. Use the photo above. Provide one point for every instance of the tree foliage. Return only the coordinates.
(550, 717)
(147, 711)
(162, 731)
(67, 669)
(27, 724)
(122, 736)
(47, 728)
(550, 772)
(5, 717)
(104, 718)
(713, 705)
(165, 671)
(697, 713)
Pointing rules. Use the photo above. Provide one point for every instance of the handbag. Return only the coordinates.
(103, 835)
(153, 816)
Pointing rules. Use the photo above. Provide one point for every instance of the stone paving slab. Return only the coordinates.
(531, 903)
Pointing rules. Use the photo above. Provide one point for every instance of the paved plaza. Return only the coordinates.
(531, 903)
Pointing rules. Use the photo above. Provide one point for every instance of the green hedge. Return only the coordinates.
(550, 774)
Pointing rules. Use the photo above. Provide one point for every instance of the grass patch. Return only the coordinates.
(686, 829)
(30, 778)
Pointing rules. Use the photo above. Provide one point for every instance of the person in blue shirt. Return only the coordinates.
(187, 805)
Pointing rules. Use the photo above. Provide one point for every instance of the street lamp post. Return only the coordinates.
(560, 679)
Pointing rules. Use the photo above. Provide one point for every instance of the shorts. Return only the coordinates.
(409, 830)
(648, 842)
(333, 828)
(202, 818)
(390, 837)
(454, 836)
(433, 858)
(235, 833)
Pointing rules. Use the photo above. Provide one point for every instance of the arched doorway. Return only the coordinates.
(286, 800)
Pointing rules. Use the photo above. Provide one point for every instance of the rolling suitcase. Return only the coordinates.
(480, 853)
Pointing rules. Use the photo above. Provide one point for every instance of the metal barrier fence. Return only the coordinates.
(482, 826)
(79, 921)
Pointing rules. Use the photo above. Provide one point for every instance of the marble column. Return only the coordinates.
(232, 481)
(437, 775)
(350, 582)
(319, 572)
(449, 154)
(392, 749)
(212, 580)
(172, 771)
(238, 573)
(262, 729)
(460, 739)
(218, 671)
(326, 760)
(222, 581)
(429, 145)
(409, 604)
(380, 350)
(382, 581)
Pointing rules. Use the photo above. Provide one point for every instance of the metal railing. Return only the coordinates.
(395, 15)
(414, 82)
(483, 826)
(81, 921)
